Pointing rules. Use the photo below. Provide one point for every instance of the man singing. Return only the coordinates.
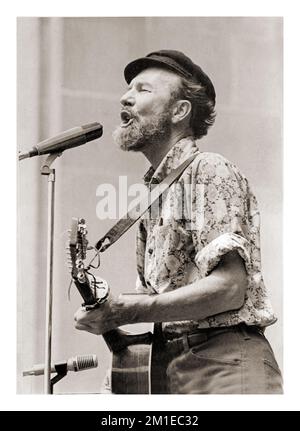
(202, 270)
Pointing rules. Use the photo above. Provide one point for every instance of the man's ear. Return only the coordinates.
(181, 110)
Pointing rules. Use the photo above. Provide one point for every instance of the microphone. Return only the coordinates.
(76, 363)
(69, 139)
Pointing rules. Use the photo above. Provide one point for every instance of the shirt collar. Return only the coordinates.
(183, 149)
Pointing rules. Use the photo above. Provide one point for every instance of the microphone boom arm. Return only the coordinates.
(62, 370)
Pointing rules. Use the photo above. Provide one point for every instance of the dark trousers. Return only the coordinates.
(235, 360)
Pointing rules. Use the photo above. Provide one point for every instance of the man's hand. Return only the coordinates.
(102, 319)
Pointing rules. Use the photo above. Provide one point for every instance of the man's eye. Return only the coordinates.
(145, 90)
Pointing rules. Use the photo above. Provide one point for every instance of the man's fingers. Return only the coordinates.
(80, 327)
(87, 328)
(82, 315)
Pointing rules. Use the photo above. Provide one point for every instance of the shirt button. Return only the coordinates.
(150, 250)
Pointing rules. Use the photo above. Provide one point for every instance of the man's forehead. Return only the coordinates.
(156, 76)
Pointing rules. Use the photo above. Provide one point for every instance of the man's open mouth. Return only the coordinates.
(126, 118)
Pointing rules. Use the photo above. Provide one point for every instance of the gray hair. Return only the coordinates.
(203, 113)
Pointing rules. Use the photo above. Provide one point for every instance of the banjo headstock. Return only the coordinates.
(93, 289)
(78, 244)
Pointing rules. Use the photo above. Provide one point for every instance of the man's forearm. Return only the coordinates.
(206, 297)
(222, 290)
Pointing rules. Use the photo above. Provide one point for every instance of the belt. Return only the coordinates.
(189, 340)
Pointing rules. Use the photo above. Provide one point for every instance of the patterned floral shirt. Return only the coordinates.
(207, 213)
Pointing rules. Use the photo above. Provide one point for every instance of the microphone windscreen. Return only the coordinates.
(83, 362)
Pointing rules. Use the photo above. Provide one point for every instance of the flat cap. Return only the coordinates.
(175, 61)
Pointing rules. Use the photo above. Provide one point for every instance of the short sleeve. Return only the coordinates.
(208, 258)
(224, 213)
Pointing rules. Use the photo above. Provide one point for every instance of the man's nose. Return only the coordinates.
(127, 99)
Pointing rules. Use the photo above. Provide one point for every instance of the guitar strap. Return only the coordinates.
(141, 207)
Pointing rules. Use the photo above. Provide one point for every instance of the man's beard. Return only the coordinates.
(139, 135)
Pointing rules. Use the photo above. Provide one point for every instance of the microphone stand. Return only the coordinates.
(45, 170)
(61, 370)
